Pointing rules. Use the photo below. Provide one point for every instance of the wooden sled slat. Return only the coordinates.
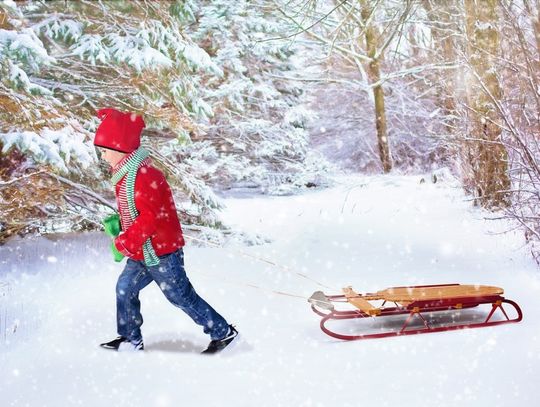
(410, 294)
(360, 303)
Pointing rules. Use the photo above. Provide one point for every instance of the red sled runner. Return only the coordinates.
(438, 308)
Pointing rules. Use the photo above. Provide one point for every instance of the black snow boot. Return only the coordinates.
(123, 344)
(217, 345)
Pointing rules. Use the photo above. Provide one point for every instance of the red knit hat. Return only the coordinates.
(119, 131)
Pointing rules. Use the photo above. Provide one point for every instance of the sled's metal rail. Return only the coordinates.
(421, 302)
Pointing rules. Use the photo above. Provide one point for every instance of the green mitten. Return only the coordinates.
(116, 254)
(112, 225)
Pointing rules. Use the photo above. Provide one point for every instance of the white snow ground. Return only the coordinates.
(371, 233)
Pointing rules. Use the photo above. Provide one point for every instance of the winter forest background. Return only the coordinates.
(311, 145)
(275, 96)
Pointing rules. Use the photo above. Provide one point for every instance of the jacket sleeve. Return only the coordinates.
(147, 200)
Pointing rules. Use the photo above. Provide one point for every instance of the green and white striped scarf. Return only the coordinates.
(130, 168)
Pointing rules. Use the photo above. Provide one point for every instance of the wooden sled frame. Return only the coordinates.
(416, 301)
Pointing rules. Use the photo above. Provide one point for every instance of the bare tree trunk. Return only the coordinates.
(488, 156)
(378, 92)
(535, 22)
(415, 52)
(442, 29)
(3, 18)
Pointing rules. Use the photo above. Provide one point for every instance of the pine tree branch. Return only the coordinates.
(82, 188)
(14, 180)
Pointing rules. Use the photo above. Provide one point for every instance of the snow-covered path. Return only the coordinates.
(370, 233)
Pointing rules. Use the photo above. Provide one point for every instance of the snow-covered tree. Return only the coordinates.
(367, 83)
(199, 72)
(61, 61)
(258, 131)
(487, 156)
(518, 71)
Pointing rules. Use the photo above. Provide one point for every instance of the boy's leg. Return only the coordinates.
(173, 282)
(128, 307)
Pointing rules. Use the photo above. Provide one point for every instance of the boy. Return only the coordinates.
(148, 232)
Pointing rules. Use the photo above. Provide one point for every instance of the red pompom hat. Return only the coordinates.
(118, 130)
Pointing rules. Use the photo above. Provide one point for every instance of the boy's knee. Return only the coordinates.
(183, 296)
(187, 292)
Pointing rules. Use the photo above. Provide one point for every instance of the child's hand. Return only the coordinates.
(116, 254)
(112, 225)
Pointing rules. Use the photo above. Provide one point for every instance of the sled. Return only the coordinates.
(428, 308)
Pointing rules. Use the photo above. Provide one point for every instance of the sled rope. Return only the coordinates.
(269, 290)
(279, 266)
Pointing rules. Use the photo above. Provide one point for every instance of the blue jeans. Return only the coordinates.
(171, 278)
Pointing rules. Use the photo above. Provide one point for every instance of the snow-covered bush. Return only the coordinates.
(258, 129)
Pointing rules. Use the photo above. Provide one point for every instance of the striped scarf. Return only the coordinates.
(129, 168)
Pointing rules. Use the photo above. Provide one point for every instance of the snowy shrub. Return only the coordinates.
(300, 116)
(259, 124)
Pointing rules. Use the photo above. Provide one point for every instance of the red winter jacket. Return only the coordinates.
(157, 216)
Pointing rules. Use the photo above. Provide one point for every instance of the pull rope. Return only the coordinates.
(277, 292)
(280, 266)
